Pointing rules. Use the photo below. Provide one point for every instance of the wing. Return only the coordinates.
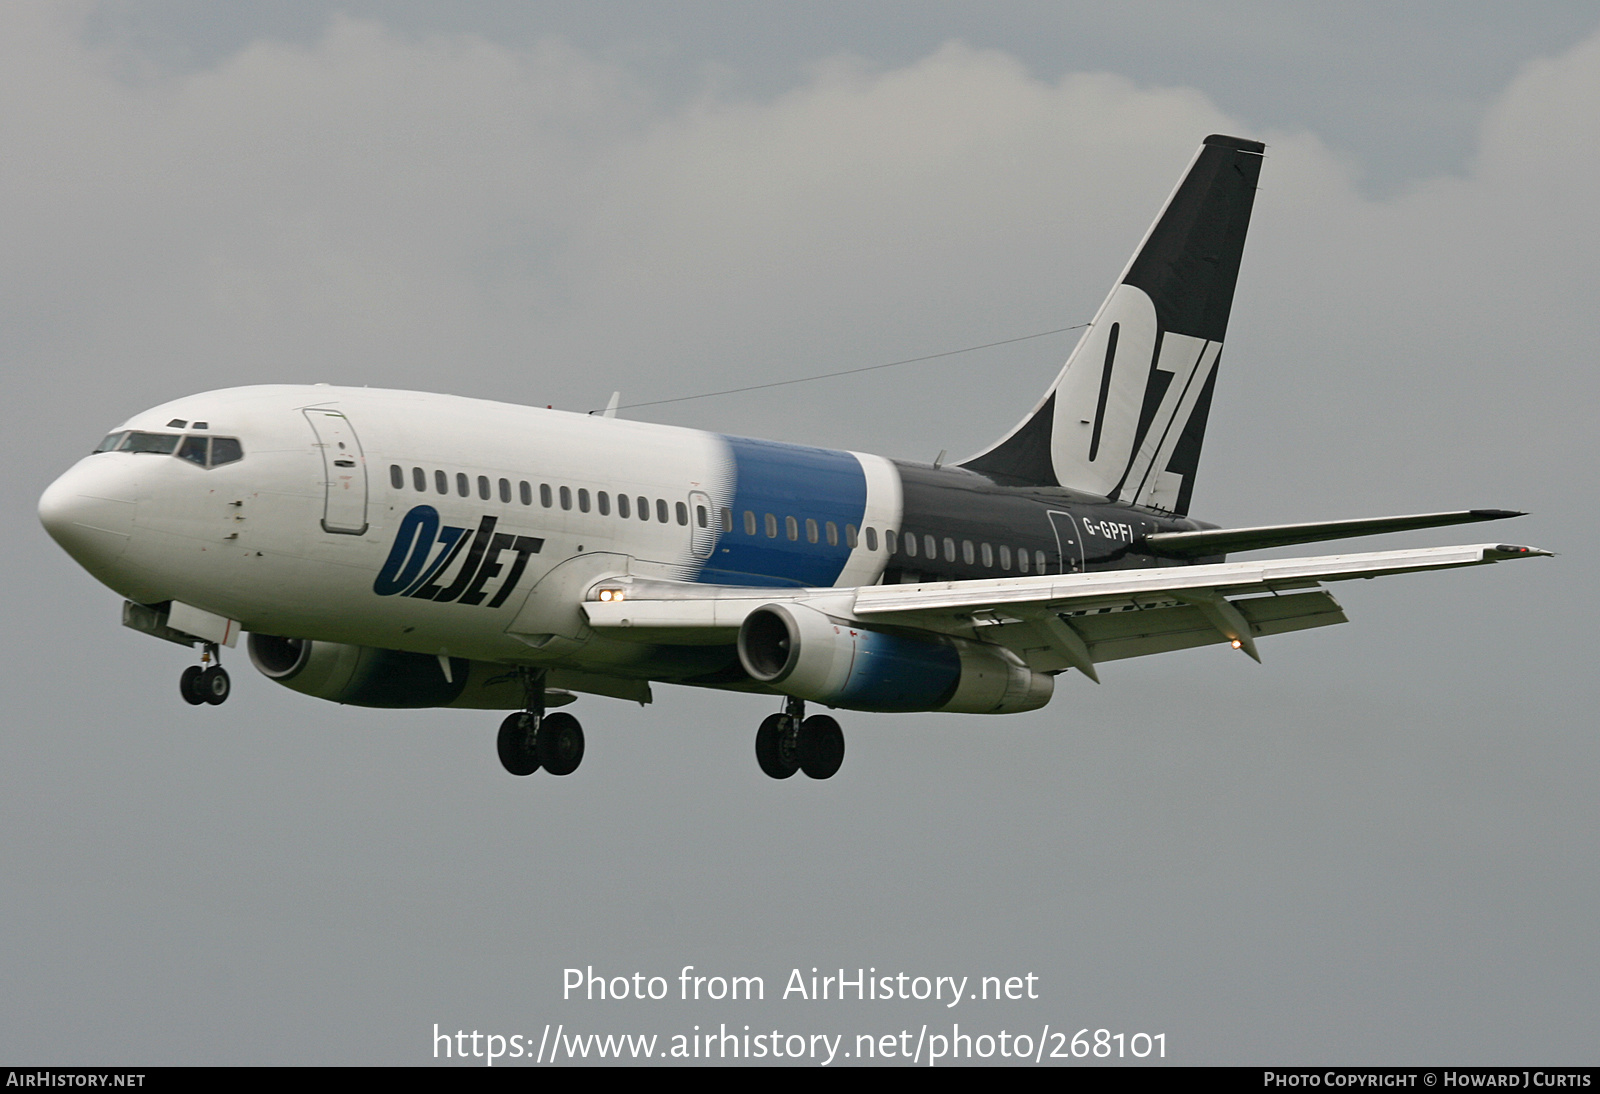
(1052, 621)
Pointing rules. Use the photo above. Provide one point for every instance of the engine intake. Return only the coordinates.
(366, 676)
(797, 650)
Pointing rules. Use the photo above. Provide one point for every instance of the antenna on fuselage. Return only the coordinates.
(611, 408)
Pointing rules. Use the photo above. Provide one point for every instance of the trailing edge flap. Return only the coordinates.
(1110, 634)
(1126, 416)
(959, 605)
(1219, 541)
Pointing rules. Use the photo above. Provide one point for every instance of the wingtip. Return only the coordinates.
(1502, 552)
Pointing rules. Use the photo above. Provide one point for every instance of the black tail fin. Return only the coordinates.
(1126, 417)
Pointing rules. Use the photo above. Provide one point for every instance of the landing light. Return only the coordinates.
(609, 595)
(1237, 644)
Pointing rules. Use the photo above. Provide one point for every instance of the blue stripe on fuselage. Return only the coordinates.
(787, 480)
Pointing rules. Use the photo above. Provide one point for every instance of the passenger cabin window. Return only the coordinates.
(911, 545)
(525, 491)
(988, 557)
(727, 519)
(850, 535)
(661, 510)
(1022, 561)
(505, 490)
(791, 528)
(463, 487)
(891, 540)
(772, 526)
(603, 503)
(622, 506)
(872, 537)
(682, 512)
(483, 487)
(1005, 557)
(566, 497)
(644, 508)
(811, 530)
(419, 480)
(700, 515)
(583, 501)
(749, 523)
(441, 482)
(544, 495)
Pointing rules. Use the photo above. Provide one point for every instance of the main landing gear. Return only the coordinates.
(530, 739)
(206, 682)
(791, 742)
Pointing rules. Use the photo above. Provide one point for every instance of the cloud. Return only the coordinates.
(531, 223)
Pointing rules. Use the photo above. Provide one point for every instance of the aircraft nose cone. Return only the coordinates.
(89, 512)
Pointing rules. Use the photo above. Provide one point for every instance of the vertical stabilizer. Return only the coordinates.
(1126, 417)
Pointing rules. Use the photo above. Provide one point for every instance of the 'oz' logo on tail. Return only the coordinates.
(408, 572)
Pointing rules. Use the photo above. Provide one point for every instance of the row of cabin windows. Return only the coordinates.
(600, 501)
(768, 522)
(929, 547)
(909, 544)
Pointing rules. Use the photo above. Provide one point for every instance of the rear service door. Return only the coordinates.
(1069, 543)
(345, 468)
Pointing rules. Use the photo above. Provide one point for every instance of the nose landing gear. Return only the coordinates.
(530, 738)
(791, 742)
(206, 682)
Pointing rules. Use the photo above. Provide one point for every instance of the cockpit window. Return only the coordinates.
(193, 449)
(160, 444)
(202, 451)
(225, 450)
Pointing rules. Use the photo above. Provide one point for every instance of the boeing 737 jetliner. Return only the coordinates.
(401, 549)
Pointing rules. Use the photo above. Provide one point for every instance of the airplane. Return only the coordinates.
(404, 549)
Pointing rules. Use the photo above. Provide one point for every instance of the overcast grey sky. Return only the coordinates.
(1376, 847)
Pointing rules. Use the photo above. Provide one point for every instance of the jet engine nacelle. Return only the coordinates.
(799, 651)
(366, 676)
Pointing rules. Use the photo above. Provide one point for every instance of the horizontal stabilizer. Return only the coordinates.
(1220, 541)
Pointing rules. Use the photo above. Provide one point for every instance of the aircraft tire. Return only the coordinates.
(820, 748)
(560, 743)
(213, 685)
(189, 686)
(774, 752)
(517, 754)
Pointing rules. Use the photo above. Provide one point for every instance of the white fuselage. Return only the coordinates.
(290, 539)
